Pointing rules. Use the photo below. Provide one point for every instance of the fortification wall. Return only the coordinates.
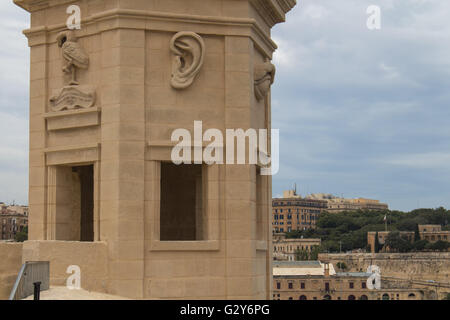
(414, 266)
(10, 263)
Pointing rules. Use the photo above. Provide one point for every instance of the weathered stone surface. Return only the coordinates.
(10, 263)
(420, 266)
(91, 257)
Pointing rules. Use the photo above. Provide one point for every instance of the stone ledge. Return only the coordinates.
(72, 154)
(72, 119)
(207, 245)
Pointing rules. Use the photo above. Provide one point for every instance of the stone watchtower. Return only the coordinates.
(104, 101)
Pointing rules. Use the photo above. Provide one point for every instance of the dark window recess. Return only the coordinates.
(181, 211)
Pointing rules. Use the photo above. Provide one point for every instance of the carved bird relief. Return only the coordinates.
(72, 52)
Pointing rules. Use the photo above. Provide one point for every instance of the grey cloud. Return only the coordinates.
(347, 98)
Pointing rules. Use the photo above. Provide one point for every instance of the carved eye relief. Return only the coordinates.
(188, 50)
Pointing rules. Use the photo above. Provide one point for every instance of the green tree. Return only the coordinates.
(314, 254)
(301, 255)
(22, 235)
(420, 245)
(397, 243)
(416, 233)
(377, 243)
(351, 227)
(438, 246)
(341, 265)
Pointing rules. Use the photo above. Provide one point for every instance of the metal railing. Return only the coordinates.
(30, 273)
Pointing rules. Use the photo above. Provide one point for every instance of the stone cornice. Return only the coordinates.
(273, 11)
(276, 8)
(150, 20)
(34, 5)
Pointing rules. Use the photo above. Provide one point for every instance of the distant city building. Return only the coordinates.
(287, 249)
(336, 204)
(382, 236)
(18, 209)
(292, 212)
(313, 280)
(430, 232)
(13, 219)
(433, 233)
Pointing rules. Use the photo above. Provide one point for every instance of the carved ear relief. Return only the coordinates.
(188, 50)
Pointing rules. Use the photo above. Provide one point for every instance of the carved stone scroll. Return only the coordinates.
(188, 50)
(73, 97)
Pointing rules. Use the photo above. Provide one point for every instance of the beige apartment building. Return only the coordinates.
(314, 280)
(13, 219)
(433, 233)
(105, 101)
(336, 204)
(294, 213)
(11, 224)
(287, 249)
(23, 210)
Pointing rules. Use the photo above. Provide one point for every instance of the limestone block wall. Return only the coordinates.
(10, 263)
(416, 266)
(91, 257)
(340, 289)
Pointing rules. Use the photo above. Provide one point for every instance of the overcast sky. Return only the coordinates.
(361, 113)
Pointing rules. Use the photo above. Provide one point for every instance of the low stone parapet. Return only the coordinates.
(10, 263)
(66, 257)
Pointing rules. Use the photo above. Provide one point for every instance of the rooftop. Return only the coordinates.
(300, 268)
(298, 264)
(353, 274)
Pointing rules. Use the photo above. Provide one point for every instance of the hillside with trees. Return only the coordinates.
(348, 230)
